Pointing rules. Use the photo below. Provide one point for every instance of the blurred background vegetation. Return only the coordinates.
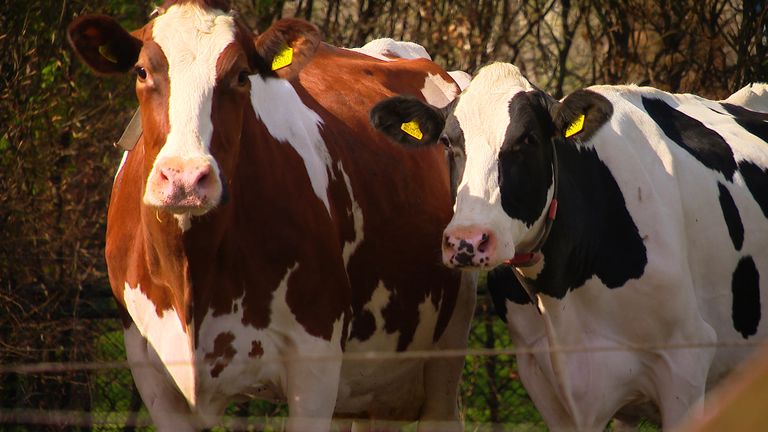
(58, 121)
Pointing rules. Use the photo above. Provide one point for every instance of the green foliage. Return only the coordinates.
(491, 392)
(114, 399)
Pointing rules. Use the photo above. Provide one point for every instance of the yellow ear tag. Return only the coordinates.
(106, 52)
(575, 127)
(412, 129)
(283, 58)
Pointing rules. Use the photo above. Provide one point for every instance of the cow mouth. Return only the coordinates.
(181, 203)
(468, 262)
(191, 210)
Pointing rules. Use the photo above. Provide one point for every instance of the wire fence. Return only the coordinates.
(96, 391)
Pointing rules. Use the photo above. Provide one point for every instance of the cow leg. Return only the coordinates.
(442, 374)
(681, 375)
(312, 388)
(543, 394)
(361, 426)
(375, 426)
(166, 405)
(681, 383)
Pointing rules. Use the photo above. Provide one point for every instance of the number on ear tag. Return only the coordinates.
(575, 127)
(283, 58)
(412, 129)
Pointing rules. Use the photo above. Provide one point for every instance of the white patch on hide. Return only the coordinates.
(387, 48)
(462, 78)
(438, 91)
(357, 217)
(287, 119)
(184, 220)
(752, 96)
(262, 376)
(120, 167)
(167, 336)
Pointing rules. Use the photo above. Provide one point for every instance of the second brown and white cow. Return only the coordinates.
(260, 229)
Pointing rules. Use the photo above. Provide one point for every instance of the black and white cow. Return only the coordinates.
(638, 221)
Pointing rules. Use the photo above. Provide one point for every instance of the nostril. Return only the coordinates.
(203, 175)
(447, 242)
(164, 175)
(483, 244)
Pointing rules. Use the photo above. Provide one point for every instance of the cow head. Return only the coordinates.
(505, 127)
(195, 67)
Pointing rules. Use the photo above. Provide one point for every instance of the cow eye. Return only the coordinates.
(242, 78)
(141, 73)
(444, 140)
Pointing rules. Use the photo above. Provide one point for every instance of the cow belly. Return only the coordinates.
(727, 259)
(387, 387)
(237, 361)
(591, 387)
(232, 361)
(382, 389)
(240, 361)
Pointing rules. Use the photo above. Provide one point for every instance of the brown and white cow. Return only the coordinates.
(261, 228)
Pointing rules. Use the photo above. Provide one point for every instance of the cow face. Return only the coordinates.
(503, 125)
(195, 68)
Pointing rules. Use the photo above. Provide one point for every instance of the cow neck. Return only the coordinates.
(594, 234)
(524, 261)
(533, 256)
(166, 258)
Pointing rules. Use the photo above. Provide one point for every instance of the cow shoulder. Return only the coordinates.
(608, 244)
(691, 134)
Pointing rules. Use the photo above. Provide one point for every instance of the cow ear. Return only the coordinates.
(104, 45)
(288, 45)
(408, 121)
(581, 114)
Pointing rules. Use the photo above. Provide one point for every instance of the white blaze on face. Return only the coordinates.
(483, 115)
(192, 39)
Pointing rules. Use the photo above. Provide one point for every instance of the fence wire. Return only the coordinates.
(52, 389)
(97, 392)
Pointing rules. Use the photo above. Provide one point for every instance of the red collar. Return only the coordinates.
(524, 259)
(528, 259)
